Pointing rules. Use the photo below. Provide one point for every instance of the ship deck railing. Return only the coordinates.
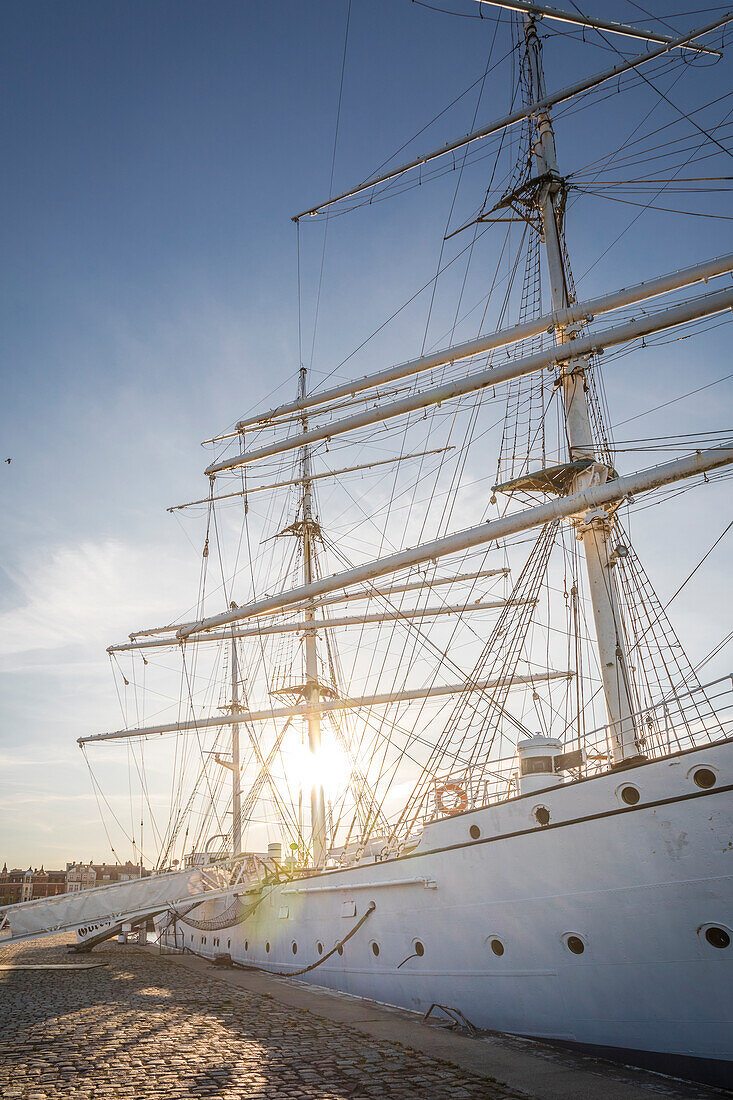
(682, 720)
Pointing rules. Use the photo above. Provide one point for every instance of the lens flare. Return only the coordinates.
(327, 767)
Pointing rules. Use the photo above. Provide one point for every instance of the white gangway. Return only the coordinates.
(99, 913)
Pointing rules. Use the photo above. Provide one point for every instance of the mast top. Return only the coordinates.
(568, 92)
(577, 19)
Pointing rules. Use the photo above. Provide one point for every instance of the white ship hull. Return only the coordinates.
(639, 885)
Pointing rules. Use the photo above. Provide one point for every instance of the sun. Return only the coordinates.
(328, 767)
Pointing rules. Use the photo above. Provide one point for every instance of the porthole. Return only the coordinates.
(267, 947)
(419, 948)
(375, 949)
(475, 832)
(340, 949)
(319, 947)
(497, 947)
(704, 778)
(575, 944)
(295, 948)
(542, 815)
(630, 795)
(717, 936)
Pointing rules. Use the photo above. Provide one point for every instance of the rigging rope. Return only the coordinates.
(503, 649)
(234, 914)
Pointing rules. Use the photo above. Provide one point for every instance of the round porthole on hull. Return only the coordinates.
(717, 936)
(495, 944)
(474, 832)
(630, 795)
(574, 943)
(704, 778)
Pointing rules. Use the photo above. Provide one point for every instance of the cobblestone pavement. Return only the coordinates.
(142, 1027)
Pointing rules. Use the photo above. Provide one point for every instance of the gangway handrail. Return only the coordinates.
(126, 901)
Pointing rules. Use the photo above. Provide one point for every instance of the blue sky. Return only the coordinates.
(153, 156)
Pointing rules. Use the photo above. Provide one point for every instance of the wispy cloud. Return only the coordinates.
(7, 760)
(86, 595)
(49, 796)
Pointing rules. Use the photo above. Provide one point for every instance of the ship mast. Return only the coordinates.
(233, 764)
(312, 684)
(236, 765)
(595, 528)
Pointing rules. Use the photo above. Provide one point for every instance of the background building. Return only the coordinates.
(35, 882)
(18, 885)
(83, 876)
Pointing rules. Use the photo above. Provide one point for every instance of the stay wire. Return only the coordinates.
(661, 94)
(703, 559)
(455, 195)
(330, 186)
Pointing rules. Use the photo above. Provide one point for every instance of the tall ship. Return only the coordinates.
(435, 739)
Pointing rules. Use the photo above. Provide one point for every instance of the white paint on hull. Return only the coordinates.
(637, 884)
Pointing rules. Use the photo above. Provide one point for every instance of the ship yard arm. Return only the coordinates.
(568, 92)
(565, 507)
(577, 19)
(620, 489)
(387, 698)
(581, 311)
(705, 305)
(309, 625)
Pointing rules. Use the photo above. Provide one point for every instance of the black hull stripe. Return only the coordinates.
(534, 830)
(617, 812)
